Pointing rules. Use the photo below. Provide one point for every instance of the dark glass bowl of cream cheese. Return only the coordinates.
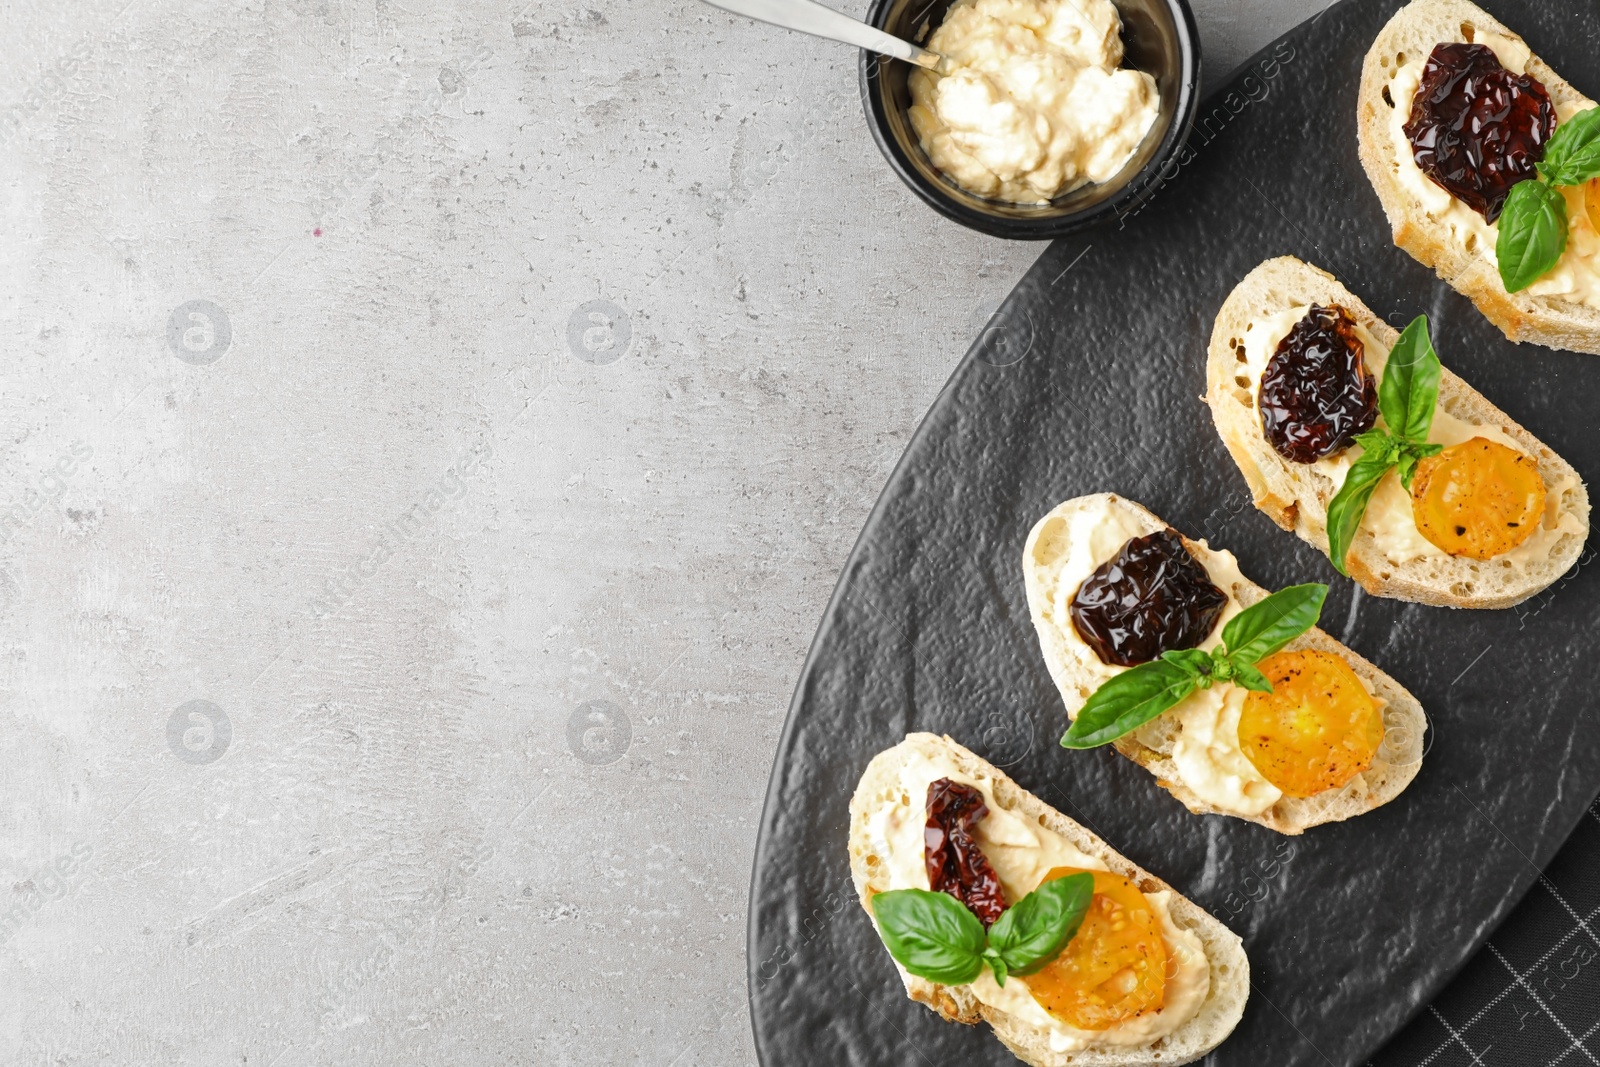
(1158, 38)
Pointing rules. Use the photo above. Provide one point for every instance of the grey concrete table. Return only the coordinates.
(430, 437)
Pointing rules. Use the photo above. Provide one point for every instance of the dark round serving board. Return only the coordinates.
(1087, 380)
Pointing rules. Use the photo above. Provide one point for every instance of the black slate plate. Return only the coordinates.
(1086, 381)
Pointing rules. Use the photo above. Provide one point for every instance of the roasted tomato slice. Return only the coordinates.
(1477, 499)
(1115, 966)
(1316, 730)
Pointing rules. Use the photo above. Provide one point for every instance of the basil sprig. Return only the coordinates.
(1407, 397)
(1573, 155)
(1533, 223)
(935, 936)
(1132, 698)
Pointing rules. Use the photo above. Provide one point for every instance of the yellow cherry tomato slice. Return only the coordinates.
(1316, 730)
(1115, 966)
(1591, 198)
(1478, 499)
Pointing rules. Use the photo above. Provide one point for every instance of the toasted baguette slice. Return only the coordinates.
(1413, 32)
(1296, 497)
(1151, 745)
(1229, 967)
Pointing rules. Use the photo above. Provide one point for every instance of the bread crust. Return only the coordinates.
(1150, 746)
(1522, 317)
(1298, 501)
(1229, 966)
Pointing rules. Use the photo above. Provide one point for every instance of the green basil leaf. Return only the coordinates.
(1193, 660)
(996, 962)
(1246, 675)
(1573, 155)
(1409, 392)
(1127, 701)
(1375, 442)
(1350, 503)
(1035, 929)
(1267, 625)
(1533, 234)
(1406, 468)
(932, 935)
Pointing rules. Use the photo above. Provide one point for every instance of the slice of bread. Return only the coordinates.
(1151, 745)
(1413, 32)
(1296, 496)
(1229, 967)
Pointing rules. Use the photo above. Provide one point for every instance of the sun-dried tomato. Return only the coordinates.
(1475, 128)
(956, 865)
(1316, 394)
(1153, 596)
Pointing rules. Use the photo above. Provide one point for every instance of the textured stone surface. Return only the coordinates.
(394, 653)
(1088, 382)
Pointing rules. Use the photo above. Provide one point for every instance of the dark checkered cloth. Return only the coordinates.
(1532, 995)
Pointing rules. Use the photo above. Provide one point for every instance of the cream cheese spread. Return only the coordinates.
(1206, 749)
(1036, 104)
(1022, 852)
(1577, 276)
(1389, 517)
